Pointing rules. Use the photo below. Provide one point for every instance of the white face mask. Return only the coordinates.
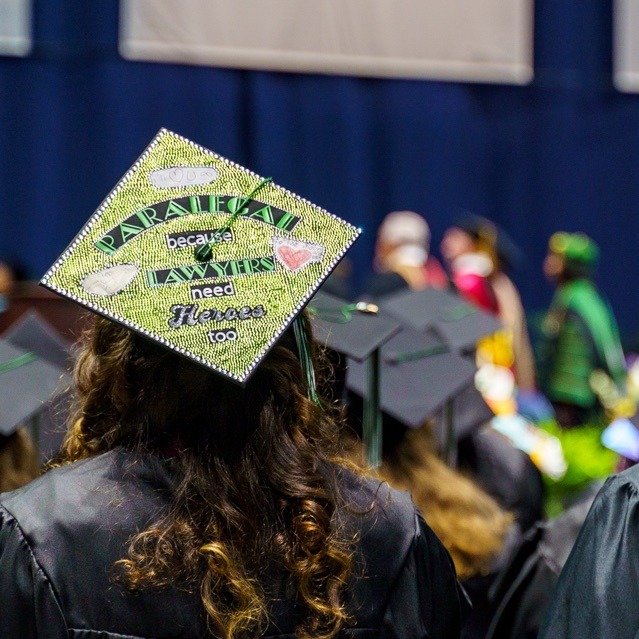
(478, 263)
(409, 255)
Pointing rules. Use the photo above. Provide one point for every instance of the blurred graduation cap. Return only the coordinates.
(458, 323)
(357, 330)
(27, 383)
(421, 378)
(34, 334)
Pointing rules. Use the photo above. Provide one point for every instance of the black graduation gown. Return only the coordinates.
(524, 587)
(61, 534)
(504, 472)
(597, 595)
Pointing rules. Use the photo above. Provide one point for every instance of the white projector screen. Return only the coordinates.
(460, 40)
(15, 27)
(626, 45)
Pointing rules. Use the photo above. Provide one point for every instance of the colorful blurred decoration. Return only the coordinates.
(622, 434)
(497, 386)
(622, 437)
(496, 349)
(587, 460)
(616, 400)
(544, 449)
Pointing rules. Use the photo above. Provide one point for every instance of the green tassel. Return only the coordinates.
(204, 252)
(12, 364)
(372, 426)
(303, 347)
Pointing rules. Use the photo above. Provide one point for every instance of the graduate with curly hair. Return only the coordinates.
(199, 491)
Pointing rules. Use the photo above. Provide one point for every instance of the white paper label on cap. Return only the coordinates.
(111, 280)
(178, 176)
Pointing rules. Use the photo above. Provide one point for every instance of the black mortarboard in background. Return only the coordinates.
(27, 383)
(422, 379)
(34, 334)
(459, 324)
(356, 330)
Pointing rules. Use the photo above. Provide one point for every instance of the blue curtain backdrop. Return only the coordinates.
(561, 153)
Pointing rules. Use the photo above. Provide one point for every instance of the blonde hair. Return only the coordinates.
(18, 460)
(470, 523)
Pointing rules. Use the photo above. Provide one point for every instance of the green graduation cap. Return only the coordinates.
(201, 255)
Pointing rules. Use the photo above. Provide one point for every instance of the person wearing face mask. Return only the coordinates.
(402, 256)
(479, 255)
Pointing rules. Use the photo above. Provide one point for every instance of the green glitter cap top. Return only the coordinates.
(201, 255)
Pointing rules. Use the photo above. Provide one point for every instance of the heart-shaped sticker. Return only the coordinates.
(294, 255)
(292, 259)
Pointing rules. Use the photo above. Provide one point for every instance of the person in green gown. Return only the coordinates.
(580, 347)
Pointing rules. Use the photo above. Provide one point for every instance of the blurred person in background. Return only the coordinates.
(479, 254)
(580, 333)
(477, 532)
(581, 367)
(402, 256)
(470, 259)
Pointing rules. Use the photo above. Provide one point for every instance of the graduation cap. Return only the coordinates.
(202, 256)
(353, 329)
(27, 382)
(421, 378)
(357, 330)
(32, 333)
(459, 323)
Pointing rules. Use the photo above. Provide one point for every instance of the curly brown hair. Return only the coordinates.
(256, 487)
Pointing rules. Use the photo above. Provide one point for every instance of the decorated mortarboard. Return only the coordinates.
(354, 329)
(202, 256)
(27, 383)
(459, 323)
